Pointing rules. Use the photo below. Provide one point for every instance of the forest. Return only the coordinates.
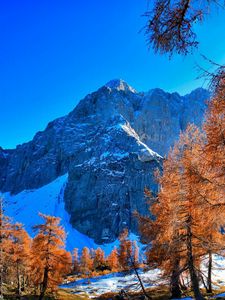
(37, 266)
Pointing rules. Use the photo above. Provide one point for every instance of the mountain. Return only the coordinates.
(109, 145)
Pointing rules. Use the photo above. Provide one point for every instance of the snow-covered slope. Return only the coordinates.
(26, 206)
(145, 153)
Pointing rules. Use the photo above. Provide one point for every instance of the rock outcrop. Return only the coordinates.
(110, 145)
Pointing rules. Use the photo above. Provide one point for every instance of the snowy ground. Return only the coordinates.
(118, 281)
(114, 282)
(25, 206)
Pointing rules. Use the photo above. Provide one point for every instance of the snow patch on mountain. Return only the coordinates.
(26, 206)
(145, 154)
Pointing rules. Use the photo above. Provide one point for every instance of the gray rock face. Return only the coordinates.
(105, 144)
(106, 188)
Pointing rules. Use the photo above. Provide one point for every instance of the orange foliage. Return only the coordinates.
(187, 212)
(99, 258)
(14, 252)
(128, 252)
(113, 260)
(50, 261)
(86, 262)
(76, 264)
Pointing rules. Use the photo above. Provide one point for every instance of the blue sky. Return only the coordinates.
(53, 52)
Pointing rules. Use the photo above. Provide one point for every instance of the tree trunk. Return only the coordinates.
(138, 277)
(44, 284)
(175, 282)
(209, 278)
(182, 283)
(175, 288)
(191, 267)
(1, 258)
(18, 280)
(141, 283)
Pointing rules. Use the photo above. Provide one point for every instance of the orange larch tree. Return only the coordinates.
(125, 250)
(5, 242)
(174, 209)
(113, 260)
(187, 221)
(76, 262)
(99, 259)
(20, 255)
(50, 261)
(86, 262)
(161, 231)
(210, 173)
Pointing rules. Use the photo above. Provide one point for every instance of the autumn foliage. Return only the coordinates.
(92, 262)
(32, 265)
(189, 211)
(39, 265)
(49, 260)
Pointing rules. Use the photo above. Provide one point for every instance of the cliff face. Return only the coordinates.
(106, 145)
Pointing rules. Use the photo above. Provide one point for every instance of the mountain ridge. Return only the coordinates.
(205, 91)
(109, 145)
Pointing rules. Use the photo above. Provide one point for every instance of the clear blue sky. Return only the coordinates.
(54, 52)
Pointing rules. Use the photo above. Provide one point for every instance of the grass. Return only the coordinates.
(61, 294)
(161, 293)
(66, 294)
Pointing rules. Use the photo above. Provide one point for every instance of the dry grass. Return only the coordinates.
(161, 293)
(66, 294)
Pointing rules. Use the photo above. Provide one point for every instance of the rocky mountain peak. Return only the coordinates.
(120, 85)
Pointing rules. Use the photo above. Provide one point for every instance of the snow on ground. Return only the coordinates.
(114, 282)
(218, 271)
(121, 281)
(25, 206)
